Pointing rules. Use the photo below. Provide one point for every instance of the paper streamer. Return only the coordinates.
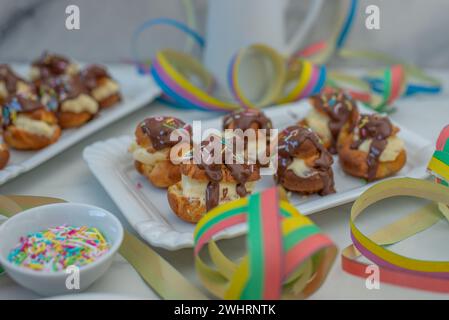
(380, 88)
(293, 78)
(174, 71)
(186, 82)
(439, 165)
(288, 256)
(395, 268)
(161, 276)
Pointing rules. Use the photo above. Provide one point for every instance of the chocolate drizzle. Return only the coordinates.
(241, 172)
(340, 109)
(50, 65)
(244, 119)
(63, 87)
(9, 78)
(290, 143)
(378, 129)
(159, 129)
(92, 74)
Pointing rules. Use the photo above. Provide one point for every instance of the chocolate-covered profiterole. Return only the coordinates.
(28, 124)
(377, 128)
(18, 104)
(246, 119)
(340, 109)
(101, 86)
(240, 172)
(159, 129)
(289, 147)
(51, 65)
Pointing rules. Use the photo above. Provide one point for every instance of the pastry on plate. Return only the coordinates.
(152, 147)
(101, 86)
(373, 150)
(206, 183)
(27, 124)
(331, 114)
(69, 99)
(304, 164)
(11, 84)
(251, 119)
(4, 155)
(51, 65)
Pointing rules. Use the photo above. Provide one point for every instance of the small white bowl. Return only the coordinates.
(48, 283)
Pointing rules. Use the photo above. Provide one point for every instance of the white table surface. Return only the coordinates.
(67, 176)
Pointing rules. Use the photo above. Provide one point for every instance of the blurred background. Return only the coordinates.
(412, 29)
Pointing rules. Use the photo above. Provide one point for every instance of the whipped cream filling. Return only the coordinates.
(37, 127)
(300, 168)
(82, 103)
(196, 189)
(318, 122)
(142, 155)
(394, 146)
(23, 88)
(108, 88)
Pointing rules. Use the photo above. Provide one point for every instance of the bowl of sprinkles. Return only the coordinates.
(59, 248)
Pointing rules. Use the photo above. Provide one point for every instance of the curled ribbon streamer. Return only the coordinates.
(276, 84)
(144, 67)
(439, 165)
(380, 88)
(395, 268)
(288, 256)
(293, 78)
(178, 74)
(173, 71)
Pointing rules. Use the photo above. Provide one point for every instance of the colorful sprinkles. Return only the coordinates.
(55, 249)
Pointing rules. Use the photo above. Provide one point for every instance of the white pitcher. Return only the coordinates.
(234, 24)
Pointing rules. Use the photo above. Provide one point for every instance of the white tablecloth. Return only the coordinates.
(67, 176)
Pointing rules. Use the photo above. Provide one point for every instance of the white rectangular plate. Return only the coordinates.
(147, 209)
(137, 91)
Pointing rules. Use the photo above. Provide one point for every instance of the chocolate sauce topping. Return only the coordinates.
(340, 109)
(244, 119)
(159, 129)
(241, 172)
(9, 78)
(51, 65)
(378, 129)
(92, 74)
(23, 104)
(18, 104)
(288, 147)
(63, 87)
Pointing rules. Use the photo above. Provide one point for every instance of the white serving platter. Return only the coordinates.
(137, 91)
(147, 209)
